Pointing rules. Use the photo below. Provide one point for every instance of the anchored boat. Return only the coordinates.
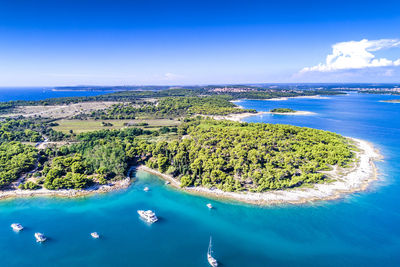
(211, 260)
(148, 215)
(17, 227)
(95, 235)
(40, 237)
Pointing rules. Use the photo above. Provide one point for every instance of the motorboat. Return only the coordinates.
(17, 227)
(148, 215)
(95, 235)
(40, 237)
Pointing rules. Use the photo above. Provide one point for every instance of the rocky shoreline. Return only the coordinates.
(354, 179)
(68, 193)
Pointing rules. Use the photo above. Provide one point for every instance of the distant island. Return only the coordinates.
(282, 110)
(77, 146)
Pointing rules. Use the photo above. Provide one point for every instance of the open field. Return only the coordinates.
(60, 111)
(80, 126)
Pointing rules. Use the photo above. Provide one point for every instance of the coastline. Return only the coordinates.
(238, 117)
(296, 113)
(67, 193)
(355, 179)
(283, 98)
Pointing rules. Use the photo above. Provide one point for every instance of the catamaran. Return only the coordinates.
(211, 260)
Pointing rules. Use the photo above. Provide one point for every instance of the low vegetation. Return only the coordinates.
(171, 107)
(282, 110)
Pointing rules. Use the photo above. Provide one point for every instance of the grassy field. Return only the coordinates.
(81, 126)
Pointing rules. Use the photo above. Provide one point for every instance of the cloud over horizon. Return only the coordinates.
(356, 55)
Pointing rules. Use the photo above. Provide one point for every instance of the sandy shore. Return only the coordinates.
(66, 192)
(356, 178)
(238, 116)
(241, 116)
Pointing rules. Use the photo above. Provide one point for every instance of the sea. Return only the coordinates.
(40, 93)
(360, 229)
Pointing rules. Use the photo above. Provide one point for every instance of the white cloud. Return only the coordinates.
(356, 55)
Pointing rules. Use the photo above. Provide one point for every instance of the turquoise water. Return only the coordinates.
(359, 230)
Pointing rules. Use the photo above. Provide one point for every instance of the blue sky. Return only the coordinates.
(57, 42)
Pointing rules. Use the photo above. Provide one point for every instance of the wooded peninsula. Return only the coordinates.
(166, 131)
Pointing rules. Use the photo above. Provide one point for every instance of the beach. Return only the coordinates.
(240, 116)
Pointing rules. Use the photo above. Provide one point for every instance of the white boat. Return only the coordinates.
(211, 260)
(210, 206)
(148, 215)
(146, 189)
(167, 182)
(40, 237)
(95, 235)
(17, 227)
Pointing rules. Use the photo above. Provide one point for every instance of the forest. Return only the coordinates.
(171, 107)
(25, 130)
(256, 157)
(227, 155)
(15, 159)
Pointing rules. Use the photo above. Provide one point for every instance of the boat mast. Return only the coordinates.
(209, 246)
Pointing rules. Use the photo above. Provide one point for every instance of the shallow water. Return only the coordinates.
(358, 230)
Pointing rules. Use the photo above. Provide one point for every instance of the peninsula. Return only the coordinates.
(92, 149)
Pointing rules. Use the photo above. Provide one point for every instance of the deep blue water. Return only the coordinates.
(358, 230)
(36, 93)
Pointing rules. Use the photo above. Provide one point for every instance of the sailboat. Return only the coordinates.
(211, 260)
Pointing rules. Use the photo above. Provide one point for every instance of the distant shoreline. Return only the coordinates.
(283, 98)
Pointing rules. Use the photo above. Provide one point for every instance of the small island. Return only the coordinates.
(282, 110)
(288, 111)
